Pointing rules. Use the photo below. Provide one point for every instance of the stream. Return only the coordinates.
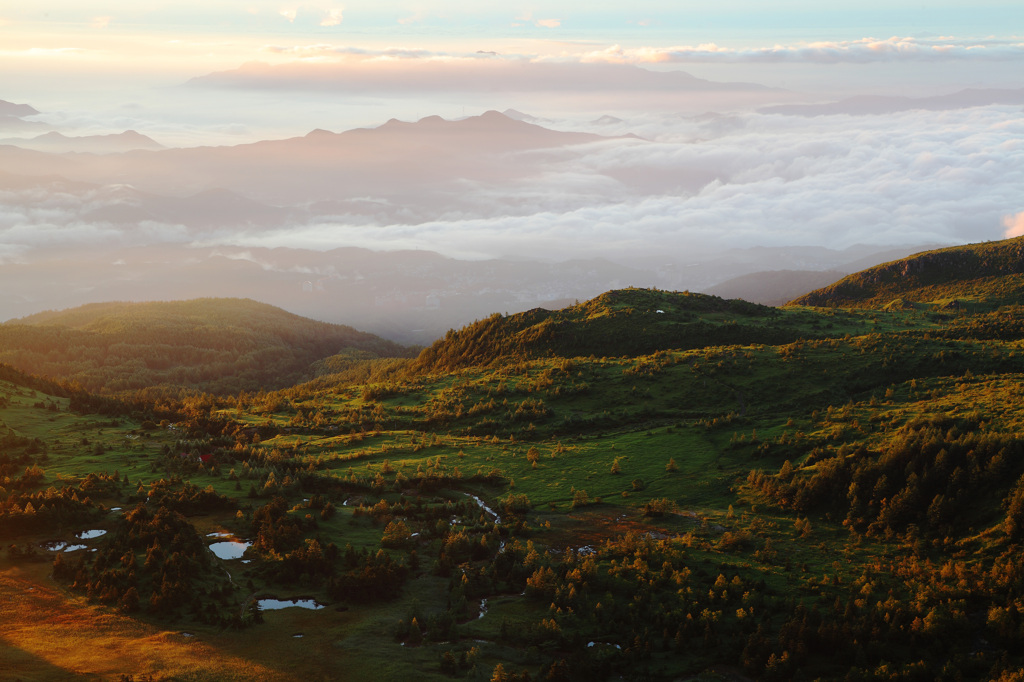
(480, 503)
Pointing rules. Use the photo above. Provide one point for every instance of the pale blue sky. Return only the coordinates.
(191, 37)
(445, 20)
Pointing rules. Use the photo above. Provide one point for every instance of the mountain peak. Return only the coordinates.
(517, 115)
(16, 110)
(57, 142)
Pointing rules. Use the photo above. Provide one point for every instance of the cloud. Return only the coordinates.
(356, 54)
(45, 52)
(548, 23)
(624, 68)
(350, 70)
(100, 22)
(915, 177)
(333, 17)
(45, 214)
(319, 13)
(1014, 225)
(414, 18)
(699, 183)
(865, 50)
(895, 49)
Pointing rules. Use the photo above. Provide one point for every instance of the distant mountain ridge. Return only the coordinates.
(397, 159)
(865, 105)
(781, 285)
(95, 144)
(16, 110)
(13, 117)
(508, 76)
(774, 287)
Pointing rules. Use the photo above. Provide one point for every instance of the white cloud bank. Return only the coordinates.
(865, 50)
(322, 14)
(913, 177)
(695, 184)
(862, 51)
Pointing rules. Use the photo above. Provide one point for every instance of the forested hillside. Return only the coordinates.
(714, 491)
(213, 345)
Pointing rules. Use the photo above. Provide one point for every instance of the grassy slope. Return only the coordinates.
(216, 345)
(990, 272)
(717, 412)
(630, 322)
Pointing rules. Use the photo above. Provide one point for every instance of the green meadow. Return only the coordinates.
(813, 493)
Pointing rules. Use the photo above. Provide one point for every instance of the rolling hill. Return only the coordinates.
(647, 485)
(625, 322)
(987, 274)
(216, 345)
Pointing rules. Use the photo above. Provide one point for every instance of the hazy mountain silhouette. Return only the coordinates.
(95, 144)
(16, 110)
(864, 105)
(519, 116)
(798, 269)
(775, 287)
(414, 163)
(486, 76)
(12, 117)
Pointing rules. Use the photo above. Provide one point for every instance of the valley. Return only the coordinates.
(647, 485)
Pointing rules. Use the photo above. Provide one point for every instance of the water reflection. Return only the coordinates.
(274, 604)
(231, 549)
(90, 534)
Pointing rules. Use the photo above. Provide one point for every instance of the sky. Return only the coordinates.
(101, 67)
(721, 163)
(162, 43)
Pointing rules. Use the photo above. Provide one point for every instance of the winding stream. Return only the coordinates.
(487, 510)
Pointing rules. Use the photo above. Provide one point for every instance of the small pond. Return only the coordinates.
(90, 534)
(231, 549)
(275, 604)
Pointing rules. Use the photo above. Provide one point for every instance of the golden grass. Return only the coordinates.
(46, 635)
